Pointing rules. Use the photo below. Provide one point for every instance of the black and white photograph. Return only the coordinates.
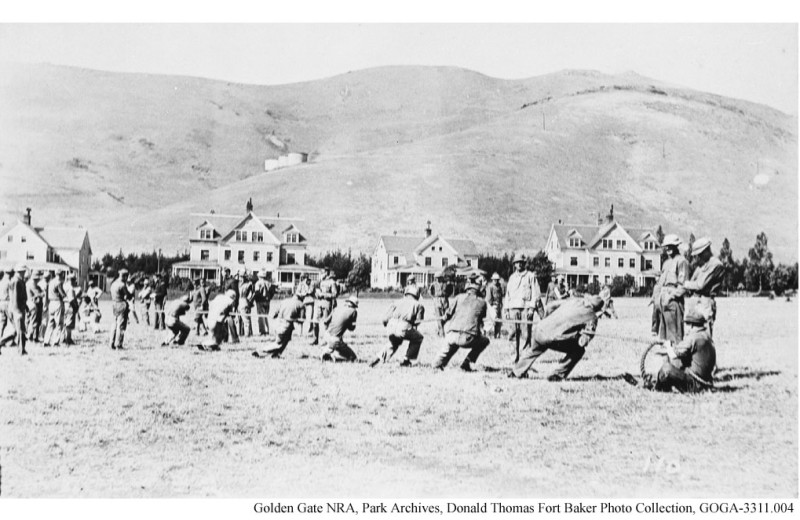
(422, 263)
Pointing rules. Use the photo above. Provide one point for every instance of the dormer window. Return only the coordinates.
(292, 238)
(574, 242)
(206, 234)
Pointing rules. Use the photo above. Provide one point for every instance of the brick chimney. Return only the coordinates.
(26, 218)
(428, 229)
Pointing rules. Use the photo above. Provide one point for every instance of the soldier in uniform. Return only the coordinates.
(145, 297)
(568, 327)
(231, 283)
(464, 322)
(522, 293)
(289, 313)
(246, 295)
(338, 322)
(219, 310)
(306, 292)
(71, 302)
(55, 311)
(674, 274)
(706, 281)
(174, 310)
(200, 305)
(441, 291)
(402, 320)
(690, 363)
(160, 297)
(132, 298)
(495, 294)
(556, 290)
(44, 283)
(119, 301)
(6, 320)
(264, 291)
(34, 316)
(18, 305)
(325, 301)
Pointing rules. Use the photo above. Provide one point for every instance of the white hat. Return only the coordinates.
(671, 240)
(353, 300)
(230, 293)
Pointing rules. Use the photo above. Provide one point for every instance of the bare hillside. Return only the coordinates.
(131, 155)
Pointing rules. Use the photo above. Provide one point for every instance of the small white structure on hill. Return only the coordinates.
(290, 159)
(46, 248)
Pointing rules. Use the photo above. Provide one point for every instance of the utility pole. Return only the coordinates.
(158, 268)
(544, 122)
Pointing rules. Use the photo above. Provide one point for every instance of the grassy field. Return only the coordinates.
(151, 421)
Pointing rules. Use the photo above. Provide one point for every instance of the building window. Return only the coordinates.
(227, 254)
(469, 262)
(608, 262)
(28, 255)
(574, 242)
(620, 262)
(621, 244)
(290, 258)
(395, 260)
(3, 254)
(204, 254)
(444, 262)
(608, 244)
(291, 238)
(258, 236)
(608, 279)
(23, 239)
(632, 263)
(596, 261)
(648, 265)
(10, 238)
(573, 260)
(427, 261)
(269, 256)
(240, 256)
(256, 255)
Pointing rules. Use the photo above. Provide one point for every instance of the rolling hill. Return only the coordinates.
(130, 156)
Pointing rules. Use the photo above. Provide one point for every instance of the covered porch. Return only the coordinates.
(287, 276)
(208, 271)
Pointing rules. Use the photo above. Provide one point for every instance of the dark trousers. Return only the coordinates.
(180, 331)
(120, 324)
(159, 315)
(395, 340)
(519, 315)
(671, 376)
(671, 323)
(281, 342)
(573, 351)
(233, 335)
(458, 340)
(262, 309)
(34, 322)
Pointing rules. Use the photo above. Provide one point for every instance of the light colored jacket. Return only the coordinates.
(522, 291)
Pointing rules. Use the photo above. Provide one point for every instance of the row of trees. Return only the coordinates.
(756, 272)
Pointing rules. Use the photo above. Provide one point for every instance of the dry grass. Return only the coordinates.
(151, 421)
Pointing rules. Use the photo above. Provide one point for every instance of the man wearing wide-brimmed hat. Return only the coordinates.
(290, 312)
(691, 362)
(464, 325)
(670, 290)
(568, 327)
(119, 302)
(401, 322)
(706, 281)
(17, 306)
(441, 291)
(55, 310)
(338, 322)
(264, 291)
(522, 295)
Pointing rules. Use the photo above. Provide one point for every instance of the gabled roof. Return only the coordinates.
(411, 246)
(225, 225)
(64, 238)
(462, 247)
(400, 244)
(597, 233)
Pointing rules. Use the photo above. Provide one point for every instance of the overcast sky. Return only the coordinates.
(757, 62)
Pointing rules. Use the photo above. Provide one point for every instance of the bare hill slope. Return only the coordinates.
(130, 156)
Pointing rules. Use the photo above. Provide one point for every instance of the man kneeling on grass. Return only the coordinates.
(290, 312)
(218, 311)
(180, 331)
(402, 320)
(568, 327)
(690, 364)
(338, 322)
(463, 322)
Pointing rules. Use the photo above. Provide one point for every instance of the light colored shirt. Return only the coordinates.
(521, 290)
(466, 314)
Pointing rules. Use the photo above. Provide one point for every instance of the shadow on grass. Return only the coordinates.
(734, 373)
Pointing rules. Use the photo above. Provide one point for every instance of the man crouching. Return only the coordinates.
(464, 322)
(690, 364)
(289, 313)
(402, 320)
(218, 312)
(180, 331)
(568, 327)
(338, 322)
